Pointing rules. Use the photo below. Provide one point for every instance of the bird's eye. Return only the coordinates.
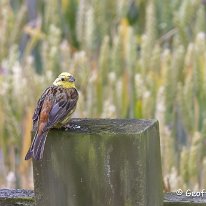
(62, 79)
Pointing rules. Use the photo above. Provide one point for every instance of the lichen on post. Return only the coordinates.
(101, 162)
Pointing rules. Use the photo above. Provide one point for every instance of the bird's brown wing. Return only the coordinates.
(40, 119)
(65, 102)
(54, 105)
(39, 107)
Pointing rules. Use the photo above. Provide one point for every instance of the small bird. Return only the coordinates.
(53, 110)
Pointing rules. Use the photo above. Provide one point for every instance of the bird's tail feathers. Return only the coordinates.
(30, 151)
(37, 147)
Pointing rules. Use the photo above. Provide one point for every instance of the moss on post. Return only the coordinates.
(9, 197)
(102, 162)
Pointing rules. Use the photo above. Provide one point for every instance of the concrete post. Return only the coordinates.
(102, 162)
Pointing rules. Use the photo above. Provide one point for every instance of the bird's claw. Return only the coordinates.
(71, 127)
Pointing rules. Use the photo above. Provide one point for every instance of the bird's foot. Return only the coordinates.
(71, 127)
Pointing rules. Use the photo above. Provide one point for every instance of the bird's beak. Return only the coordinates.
(71, 79)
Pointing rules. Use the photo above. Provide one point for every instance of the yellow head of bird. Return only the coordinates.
(66, 80)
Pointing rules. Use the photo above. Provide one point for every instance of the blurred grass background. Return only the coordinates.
(131, 59)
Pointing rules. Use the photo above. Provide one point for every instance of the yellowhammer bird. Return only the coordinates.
(53, 109)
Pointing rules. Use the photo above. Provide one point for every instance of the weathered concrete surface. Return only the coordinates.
(172, 199)
(102, 162)
(16, 197)
(26, 198)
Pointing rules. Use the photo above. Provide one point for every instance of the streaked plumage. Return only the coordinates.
(53, 109)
